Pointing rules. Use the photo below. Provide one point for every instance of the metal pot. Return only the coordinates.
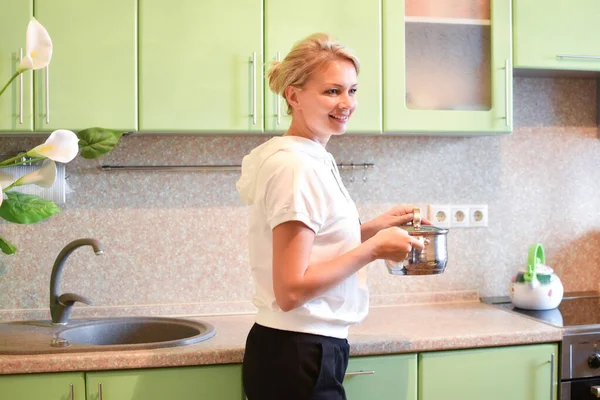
(432, 259)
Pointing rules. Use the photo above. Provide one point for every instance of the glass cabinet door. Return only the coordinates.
(448, 66)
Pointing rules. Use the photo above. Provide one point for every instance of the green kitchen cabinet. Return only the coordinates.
(55, 386)
(447, 73)
(91, 79)
(515, 373)
(556, 35)
(213, 382)
(392, 377)
(16, 103)
(201, 66)
(356, 24)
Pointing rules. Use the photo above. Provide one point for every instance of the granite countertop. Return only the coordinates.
(387, 329)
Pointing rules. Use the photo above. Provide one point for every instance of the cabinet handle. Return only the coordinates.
(360, 373)
(21, 90)
(551, 376)
(47, 95)
(99, 391)
(507, 94)
(254, 88)
(71, 395)
(278, 98)
(577, 56)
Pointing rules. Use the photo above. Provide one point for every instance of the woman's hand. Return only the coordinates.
(397, 216)
(394, 244)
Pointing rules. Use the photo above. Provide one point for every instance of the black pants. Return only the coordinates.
(284, 365)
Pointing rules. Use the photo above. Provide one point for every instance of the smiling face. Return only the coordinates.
(323, 106)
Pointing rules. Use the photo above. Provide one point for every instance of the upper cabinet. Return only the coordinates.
(356, 24)
(447, 66)
(427, 66)
(208, 77)
(201, 66)
(16, 107)
(91, 79)
(556, 35)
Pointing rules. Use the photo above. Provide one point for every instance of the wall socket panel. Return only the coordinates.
(458, 215)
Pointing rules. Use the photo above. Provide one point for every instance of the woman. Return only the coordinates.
(307, 245)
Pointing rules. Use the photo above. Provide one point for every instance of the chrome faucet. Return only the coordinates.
(60, 306)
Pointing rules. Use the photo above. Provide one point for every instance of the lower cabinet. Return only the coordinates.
(515, 373)
(382, 378)
(58, 386)
(499, 373)
(213, 382)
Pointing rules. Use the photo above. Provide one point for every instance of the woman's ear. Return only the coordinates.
(291, 95)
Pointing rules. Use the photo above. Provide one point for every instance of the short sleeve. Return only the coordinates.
(295, 191)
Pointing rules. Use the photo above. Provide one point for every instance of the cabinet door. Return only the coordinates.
(555, 34)
(447, 68)
(59, 386)
(355, 23)
(16, 102)
(91, 79)
(215, 382)
(201, 66)
(382, 377)
(515, 373)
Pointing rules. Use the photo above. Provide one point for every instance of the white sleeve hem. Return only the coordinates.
(294, 216)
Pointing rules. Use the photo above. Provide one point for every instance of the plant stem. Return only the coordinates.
(21, 162)
(10, 160)
(10, 81)
(9, 186)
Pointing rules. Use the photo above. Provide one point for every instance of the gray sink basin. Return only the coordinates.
(131, 333)
(146, 331)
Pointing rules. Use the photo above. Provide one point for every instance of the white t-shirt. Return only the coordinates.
(296, 179)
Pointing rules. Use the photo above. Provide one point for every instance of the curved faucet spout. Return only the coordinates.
(60, 311)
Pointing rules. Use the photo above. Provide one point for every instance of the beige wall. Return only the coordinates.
(175, 242)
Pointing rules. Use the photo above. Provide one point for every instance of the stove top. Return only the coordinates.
(577, 310)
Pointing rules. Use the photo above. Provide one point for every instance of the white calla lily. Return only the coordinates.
(43, 177)
(62, 145)
(5, 179)
(38, 47)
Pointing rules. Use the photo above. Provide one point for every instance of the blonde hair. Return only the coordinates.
(306, 57)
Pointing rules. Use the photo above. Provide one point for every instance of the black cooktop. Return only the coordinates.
(577, 309)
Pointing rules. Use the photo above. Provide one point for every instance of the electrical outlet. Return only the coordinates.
(459, 216)
(439, 215)
(478, 215)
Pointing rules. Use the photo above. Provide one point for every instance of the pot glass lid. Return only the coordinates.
(425, 229)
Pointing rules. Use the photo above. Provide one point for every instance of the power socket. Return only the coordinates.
(459, 216)
(478, 215)
(439, 215)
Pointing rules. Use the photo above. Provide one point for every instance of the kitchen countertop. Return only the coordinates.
(387, 330)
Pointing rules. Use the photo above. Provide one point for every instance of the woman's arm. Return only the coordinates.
(295, 281)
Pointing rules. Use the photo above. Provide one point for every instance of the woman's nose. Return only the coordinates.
(347, 102)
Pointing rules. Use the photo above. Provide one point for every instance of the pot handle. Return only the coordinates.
(536, 256)
(416, 218)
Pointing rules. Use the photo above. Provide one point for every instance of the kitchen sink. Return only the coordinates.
(102, 334)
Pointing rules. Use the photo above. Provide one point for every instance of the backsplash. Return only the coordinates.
(175, 242)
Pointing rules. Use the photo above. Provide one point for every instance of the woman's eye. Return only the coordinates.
(353, 91)
(333, 91)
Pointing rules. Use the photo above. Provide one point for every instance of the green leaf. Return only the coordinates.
(26, 208)
(7, 247)
(96, 142)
